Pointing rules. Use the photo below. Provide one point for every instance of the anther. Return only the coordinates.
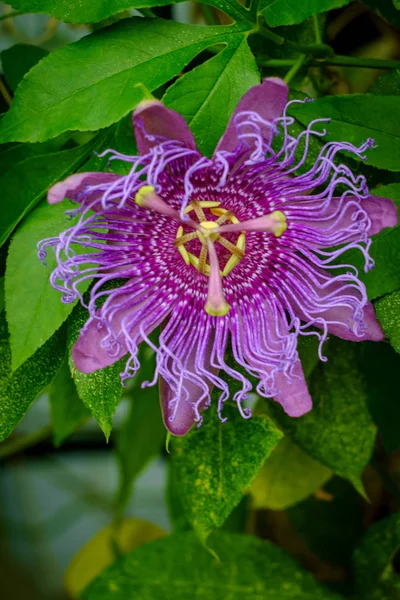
(146, 197)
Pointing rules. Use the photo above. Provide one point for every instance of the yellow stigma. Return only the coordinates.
(144, 191)
(281, 225)
(221, 311)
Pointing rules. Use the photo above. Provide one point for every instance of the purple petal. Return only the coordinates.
(373, 330)
(293, 396)
(73, 186)
(154, 123)
(89, 355)
(184, 417)
(187, 378)
(267, 99)
(381, 211)
(261, 344)
(338, 317)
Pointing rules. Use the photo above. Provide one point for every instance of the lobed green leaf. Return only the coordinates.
(381, 367)
(32, 322)
(208, 94)
(68, 413)
(91, 11)
(114, 64)
(338, 432)
(19, 389)
(358, 117)
(100, 391)
(178, 568)
(288, 476)
(28, 181)
(292, 12)
(18, 60)
(216, 463)
(375, 576)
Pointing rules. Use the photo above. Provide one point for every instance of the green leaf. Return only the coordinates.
(17, 153)
(112, 62)
(291, 12)
(288, 476)
(99, 552)
(19, 389)
(178, 568)
(91, 11)
(358, 117)
(100, 391)
(32, 322)
(216, 463)
(385, 9)
(18, 60)
(385, 276)
(388, 312)
(381, 366)
(331, 523)
(387, 85)
(375, 576)
(67, 410)
(143, 433)
(338, 431)
(28, 181)
(2, 303)
(208, 95)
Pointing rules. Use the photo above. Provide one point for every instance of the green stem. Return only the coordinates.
(295, 68)
(269, 35)
(344, 61)
(209, 15)
(318, 38)
(147, 12)
(10, 15)
(318, 50)
(5, 93)
(367, 63)
(22, 442)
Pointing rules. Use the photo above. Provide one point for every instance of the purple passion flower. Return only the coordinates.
(239, 250)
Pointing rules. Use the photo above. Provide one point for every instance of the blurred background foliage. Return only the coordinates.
(269, 508)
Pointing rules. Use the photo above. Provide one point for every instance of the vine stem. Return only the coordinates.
(318, 37)
(5, 93)
(295, 68)
(10, 15)
(340, 61)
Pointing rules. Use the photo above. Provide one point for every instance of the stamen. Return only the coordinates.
(216, 304)
(194, 260)
(198, 210)
(146, 197)
(235, 258)
(203, 204)
(231, 247)
(224, 215)
(274, 223)
(180, 244)
(203, 258)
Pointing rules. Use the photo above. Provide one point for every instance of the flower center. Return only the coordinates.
(207, 230)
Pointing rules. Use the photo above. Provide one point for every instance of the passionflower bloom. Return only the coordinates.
(240, 250)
